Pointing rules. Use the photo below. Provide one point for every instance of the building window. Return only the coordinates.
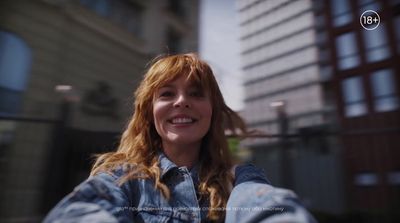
(393, 178)
(15, 61)
(122, 12)
(353, 97)
(347, 51)
(366, 179)
(397, 30)
(376, 44)
(101, 7)
(129, 15)
(365, 5)
(341, 12)
(384, 90)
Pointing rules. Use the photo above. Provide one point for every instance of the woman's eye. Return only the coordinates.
(197, 94)
(166, 94)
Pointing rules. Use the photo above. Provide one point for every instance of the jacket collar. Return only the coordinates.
(167, 165)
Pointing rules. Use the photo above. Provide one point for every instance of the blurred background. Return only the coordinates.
(323, 89)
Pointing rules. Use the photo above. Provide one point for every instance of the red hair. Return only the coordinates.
(140, 143)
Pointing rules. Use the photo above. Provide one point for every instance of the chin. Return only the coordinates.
(185, 140)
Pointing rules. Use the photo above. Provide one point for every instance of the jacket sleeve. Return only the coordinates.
(260, 202)
(98, 199)
(249, 173)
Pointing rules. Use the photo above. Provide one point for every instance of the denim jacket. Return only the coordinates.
(253, 202)
(101, 199)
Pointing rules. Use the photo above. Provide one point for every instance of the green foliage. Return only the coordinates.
(233, 144)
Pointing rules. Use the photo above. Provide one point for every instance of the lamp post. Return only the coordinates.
(69, 96)
(55, 181)
(284, 153)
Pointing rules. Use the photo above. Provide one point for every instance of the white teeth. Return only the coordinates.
(181, 120)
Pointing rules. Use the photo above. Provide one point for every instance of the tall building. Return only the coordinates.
(67, 72)
(330, 89)
(285, 93)
(366, 77)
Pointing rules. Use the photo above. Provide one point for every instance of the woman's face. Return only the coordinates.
(182, 113)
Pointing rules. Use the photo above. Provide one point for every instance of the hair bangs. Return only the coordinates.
(171, 68)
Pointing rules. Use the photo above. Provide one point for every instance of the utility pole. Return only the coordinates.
(285, 158)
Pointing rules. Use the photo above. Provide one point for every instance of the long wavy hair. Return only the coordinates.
(140, 143)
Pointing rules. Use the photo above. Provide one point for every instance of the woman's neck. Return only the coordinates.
(182, 155)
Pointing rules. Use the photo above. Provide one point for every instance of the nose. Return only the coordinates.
(182, 101)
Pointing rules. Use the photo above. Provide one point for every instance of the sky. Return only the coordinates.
(220, 47)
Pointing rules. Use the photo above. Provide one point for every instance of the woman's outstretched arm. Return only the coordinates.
(98, 199)
(254, 199)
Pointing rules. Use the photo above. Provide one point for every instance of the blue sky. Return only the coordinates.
(219, 46)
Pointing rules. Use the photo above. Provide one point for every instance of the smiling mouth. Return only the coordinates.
(182, 121)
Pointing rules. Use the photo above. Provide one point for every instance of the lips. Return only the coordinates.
(180, 119)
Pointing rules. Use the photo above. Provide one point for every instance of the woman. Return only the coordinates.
(173, 162)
